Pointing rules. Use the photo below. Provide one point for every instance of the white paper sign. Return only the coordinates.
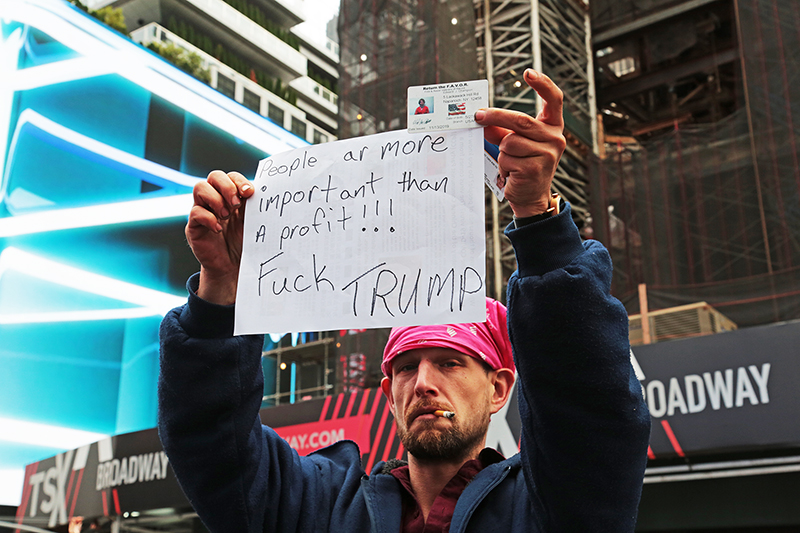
(376, 231)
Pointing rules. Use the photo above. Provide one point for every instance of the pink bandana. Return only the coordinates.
(487, 341)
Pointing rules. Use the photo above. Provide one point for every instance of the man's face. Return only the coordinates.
(428, 379)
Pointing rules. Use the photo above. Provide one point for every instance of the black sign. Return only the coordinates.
(129, 472)
(734, 391)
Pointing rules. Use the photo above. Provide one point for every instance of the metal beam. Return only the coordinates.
(666, 75)
(649, 20)
(553, 37)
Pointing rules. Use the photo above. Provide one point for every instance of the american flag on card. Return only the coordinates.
(456, 109)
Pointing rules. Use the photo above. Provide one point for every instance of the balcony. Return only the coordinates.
(290, 61)
(240, 88)
(321, 97)
(332, 46)
(287, 13)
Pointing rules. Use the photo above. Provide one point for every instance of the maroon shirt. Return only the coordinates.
(441, 513)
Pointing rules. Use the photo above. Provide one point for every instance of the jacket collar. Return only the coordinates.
(382, 492)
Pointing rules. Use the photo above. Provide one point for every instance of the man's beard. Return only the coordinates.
(453, 443)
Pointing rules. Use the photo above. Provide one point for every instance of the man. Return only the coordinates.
(422, 109)
(585, 426)
(442, 383)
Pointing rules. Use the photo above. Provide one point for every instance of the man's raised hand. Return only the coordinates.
(530, 148)
(214, 232)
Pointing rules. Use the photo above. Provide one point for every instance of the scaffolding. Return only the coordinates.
(389, 45)
(709, 208)
(554, 37)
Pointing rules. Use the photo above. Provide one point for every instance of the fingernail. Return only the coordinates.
(480, 114)
(218, 228)
(224, 213)
(246, 187)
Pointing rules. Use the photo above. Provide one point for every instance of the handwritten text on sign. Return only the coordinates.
(376, 231)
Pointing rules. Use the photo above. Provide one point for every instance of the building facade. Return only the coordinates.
(253, 51)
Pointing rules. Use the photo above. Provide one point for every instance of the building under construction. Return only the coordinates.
(693, 184)
(695, 190)
(698, 192)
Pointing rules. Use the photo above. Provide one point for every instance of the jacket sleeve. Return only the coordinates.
(240, 476)
(585, 426)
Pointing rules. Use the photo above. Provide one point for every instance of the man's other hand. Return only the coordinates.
(530, 148)
(214, 232)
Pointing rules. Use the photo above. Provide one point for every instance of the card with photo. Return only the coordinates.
(446, 106)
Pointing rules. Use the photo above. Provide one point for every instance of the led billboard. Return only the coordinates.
(101, 142)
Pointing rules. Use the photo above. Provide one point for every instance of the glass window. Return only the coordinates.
(225, 85)
(320, 137)
(299, 127)
(252, 101)
(275, 114)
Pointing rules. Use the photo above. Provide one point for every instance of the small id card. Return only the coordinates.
(447, 106)
(491, 170)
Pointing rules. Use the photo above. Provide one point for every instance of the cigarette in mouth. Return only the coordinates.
(446, 414)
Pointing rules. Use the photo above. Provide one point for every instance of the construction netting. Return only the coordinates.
(712, 212)
(608, 13)
(387, 46)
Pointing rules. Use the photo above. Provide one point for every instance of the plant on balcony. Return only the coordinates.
(276, 86)
(183, 59)
(233, 60)
(109, 15)
(324, 82)
(254, 13)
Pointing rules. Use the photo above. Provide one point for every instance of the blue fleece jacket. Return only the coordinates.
(585, 426)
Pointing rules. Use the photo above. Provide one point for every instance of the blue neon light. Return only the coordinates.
(97, 137)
